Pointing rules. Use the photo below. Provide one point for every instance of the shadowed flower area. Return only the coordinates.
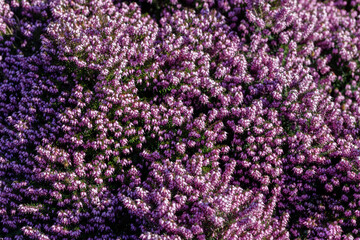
(179, 119)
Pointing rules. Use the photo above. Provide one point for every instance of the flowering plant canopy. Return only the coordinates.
(179, 119)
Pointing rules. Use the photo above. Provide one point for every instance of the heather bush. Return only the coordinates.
(179, 119)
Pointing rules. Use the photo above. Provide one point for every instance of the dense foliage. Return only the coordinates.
(179, 119)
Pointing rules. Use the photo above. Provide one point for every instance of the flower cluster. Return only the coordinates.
(196, 119)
